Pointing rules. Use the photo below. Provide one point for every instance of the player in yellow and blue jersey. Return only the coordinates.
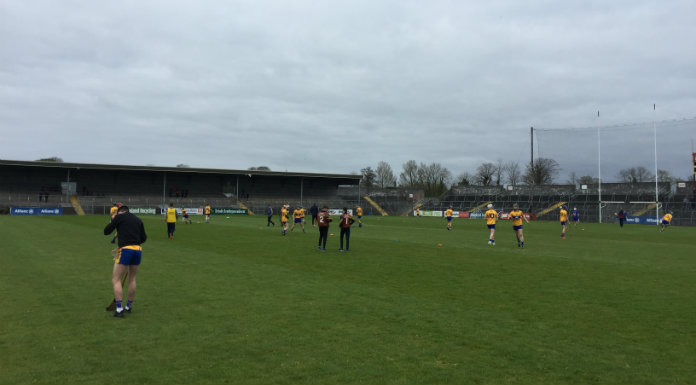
(448, 215)
(298, 214)
(563, 214)
(284, 218)
(491, 219)
(666, 220)
(358, 212)
(170, 218)
(516, 215)
(206, 211)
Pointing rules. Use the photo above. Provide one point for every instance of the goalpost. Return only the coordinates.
(626, 153)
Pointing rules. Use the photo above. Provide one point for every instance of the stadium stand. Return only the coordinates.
(636, 198)
(97, 187)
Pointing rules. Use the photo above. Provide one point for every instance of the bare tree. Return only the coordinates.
(384, 175)
(513, 174)
(368, 177)
(51, 159)
(434, 178)
(465, 179)
(635, 175)
(498, 174)
(587, 180)
(181, 165)
(665, 176)
(542, 172)
(644, 175)
(409, 177)
(485, 173)
(572, 178)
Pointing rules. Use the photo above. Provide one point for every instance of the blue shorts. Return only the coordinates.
(298, 220)
(664, 222)
(359, 216)
(186, 216)
(449, 219)
(517, 227)
(491, 226)
(127, 256)
(576, 219)
(563, 223)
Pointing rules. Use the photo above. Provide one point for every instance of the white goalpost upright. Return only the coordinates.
(599, 168)
(657, 191)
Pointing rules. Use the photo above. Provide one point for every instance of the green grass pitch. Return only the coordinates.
(233, 301)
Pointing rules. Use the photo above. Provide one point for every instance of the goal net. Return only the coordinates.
(623, 154)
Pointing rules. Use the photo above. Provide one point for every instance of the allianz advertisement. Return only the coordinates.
(36, 210)
(642, 220)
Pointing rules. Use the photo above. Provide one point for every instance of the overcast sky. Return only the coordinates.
(335, 86)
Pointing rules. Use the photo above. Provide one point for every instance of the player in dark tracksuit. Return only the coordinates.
(346, 221)
(622, 217)
(314, 210)
(269, 212)
(131, 234)
(323, 219)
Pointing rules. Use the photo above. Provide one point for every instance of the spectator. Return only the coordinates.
(346, 221)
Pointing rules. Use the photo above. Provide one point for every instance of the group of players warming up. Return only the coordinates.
(128, 229)
(492, 217)
(321, 219)
(516, 215)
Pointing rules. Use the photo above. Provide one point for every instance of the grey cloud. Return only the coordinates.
(244, 83)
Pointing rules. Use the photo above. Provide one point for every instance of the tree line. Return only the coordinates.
(435, 179)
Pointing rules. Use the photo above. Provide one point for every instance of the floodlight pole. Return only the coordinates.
(657, 198)
(599, 167)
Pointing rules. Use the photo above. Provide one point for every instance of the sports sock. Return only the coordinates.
(119, 306)
(128, 304)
